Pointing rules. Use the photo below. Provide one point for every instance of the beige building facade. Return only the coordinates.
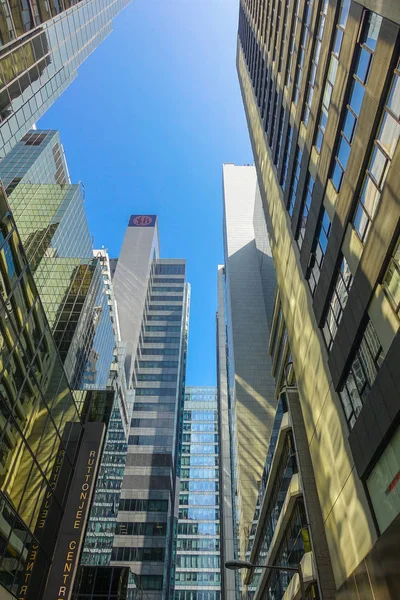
(321, 89)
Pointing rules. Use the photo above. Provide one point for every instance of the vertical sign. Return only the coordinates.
(62, 573)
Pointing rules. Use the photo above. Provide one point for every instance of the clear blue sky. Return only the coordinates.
(153, 114)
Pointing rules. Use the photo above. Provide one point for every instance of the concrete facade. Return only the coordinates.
(253, 392)
(345, 442)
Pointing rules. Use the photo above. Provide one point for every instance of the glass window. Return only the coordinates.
(391, 280)
(309, 188)
(337, 302)
(319, 251)
(362, 373)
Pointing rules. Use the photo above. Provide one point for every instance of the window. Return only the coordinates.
(166, 298)
(365, 50)
(280, 136)
(148, 529)
(158, 364)
(368, 359)
(153, 407)
(155, 391)
(286, 157)
(34, 139)
(156, 377)
(332, 70)
(169, 307)
(160, 351)
(140, 505)
(162, 269)
(162, 340)
(295, 180)
(314, 62)
(309, 188)
(158, 280)
(138, 554)
(391, 280)
(319, 251)
(284, 34)
(163, 317)
(337, 303)
(305, 30)
(12, 185)
(150, 440)
(380, 160)
(292, 43)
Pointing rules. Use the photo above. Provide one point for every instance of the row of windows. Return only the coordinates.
(199, 473)
(200, 426)
(168, 280)
(199, 499)
(166, 298)
(141, 505)
(198, 529)
(198, 514)
(200, 415)
(163, 317)
(169, 307)
(200, 449)
(158, 364)
(380, 160)
(154, 422)
(199, 461)
(157, 377)
(154, 407)
(160, 351)
(151, 529)
(318, 250)
(194, 595)
(150, 582)
(138, 554)
(155, 391)
(193, 577)
(150, 440)
(169, 269)
(364, 54)
(337, 303)
(162, 340)
(197, 561)
(200, 437)
(167, 289)
(164, 328)
(314, 62)
(199, 486)
(362, 374)
(189, 544)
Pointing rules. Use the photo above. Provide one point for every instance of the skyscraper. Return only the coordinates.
(62, 397)
(244, 317)
(320, 84)
(153, 307)
(42, 45)
(198, 565)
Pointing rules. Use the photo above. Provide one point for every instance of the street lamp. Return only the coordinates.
(236, 565)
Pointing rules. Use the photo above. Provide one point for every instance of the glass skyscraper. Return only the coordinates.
(198, 566)
(42, 45)
(60, 382)
(51, 220)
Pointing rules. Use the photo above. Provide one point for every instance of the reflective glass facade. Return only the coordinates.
(198, 542)
(51, 218)
(40, 425)
(41, 47)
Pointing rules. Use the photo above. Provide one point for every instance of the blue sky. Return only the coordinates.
(146, 126)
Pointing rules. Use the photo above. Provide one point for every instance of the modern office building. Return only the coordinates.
(66, 390)
(244, 318)
(321, 88)
(50, 215)
(198, 563)
(41, 47)
(153, 307)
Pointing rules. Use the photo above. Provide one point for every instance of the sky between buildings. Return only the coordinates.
(146, 126)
